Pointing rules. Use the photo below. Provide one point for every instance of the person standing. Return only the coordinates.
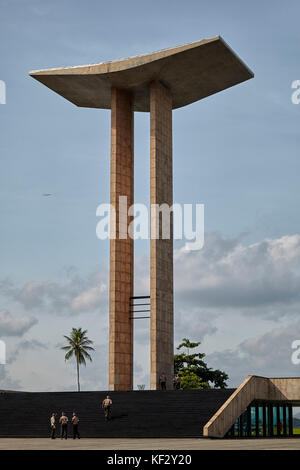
(75, 421)
(176, 382)
(53, 425)
(106, 405)
(163, 381)
(63, 421)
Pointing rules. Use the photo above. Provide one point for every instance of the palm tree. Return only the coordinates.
(78, 345)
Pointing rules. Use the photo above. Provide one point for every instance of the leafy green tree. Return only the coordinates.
(78, 345)
(188, 365)
(190, 380)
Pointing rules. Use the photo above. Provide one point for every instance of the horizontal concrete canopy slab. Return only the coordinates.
(192, 72)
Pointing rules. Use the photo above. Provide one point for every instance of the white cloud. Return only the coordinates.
(225, 274)
(15, 325)
(31, 345)
(88, 299)
(73, 296)
(194, 323)
(266, 355)
(7, 382)
(228, 274)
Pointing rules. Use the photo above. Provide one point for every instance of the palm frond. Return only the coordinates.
(69, 355)
(87, 356)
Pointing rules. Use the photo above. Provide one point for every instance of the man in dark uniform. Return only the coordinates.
(63, 421)
(75, 421)
(163, 381)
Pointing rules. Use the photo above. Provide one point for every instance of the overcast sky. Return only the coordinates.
(236, 152)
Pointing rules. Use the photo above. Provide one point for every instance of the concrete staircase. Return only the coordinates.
(180, 413)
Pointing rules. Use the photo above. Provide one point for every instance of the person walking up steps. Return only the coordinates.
(63, 421)
(106, 405)
(75, 421)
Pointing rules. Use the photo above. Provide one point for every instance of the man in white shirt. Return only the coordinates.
(53, 425)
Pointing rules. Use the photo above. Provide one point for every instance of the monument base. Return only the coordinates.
(148, 414)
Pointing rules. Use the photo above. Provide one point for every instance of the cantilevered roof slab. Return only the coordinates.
(192, 72)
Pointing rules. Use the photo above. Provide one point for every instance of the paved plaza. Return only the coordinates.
(149, 444)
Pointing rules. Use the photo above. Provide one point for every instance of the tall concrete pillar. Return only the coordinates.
(121, 246)
(161, 250)
(192, 72)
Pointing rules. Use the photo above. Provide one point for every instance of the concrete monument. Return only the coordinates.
(155, 83)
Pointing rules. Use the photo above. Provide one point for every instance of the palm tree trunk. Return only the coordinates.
(78, 384)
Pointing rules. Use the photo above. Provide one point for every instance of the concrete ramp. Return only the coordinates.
(254, 388)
